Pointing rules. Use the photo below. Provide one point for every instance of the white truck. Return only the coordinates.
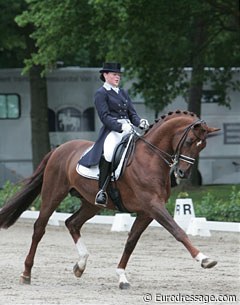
(72, 116)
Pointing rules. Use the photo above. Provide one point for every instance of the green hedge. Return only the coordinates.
(217, 203)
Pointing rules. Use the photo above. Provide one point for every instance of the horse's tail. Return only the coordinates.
(17, 204)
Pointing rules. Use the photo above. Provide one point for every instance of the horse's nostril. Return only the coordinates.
(180, 173)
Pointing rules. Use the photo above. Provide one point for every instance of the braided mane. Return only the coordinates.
(173, 114)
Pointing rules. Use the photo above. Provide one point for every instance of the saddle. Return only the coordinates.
(120, 157)
(127, 144)
(122, 153)
(120, 160)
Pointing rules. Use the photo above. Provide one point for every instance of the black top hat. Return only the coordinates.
(111, 67)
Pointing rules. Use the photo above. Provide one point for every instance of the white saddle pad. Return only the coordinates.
(93, 172)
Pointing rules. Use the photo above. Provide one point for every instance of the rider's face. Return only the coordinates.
(113, 78)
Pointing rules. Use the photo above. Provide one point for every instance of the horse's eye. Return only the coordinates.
(189, 141)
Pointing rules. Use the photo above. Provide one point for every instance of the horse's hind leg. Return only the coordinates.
(74, 224)
(140, 224)
(50, 200)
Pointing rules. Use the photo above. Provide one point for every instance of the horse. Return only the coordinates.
(173, 141)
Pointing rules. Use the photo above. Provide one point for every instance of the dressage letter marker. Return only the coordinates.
(183, 213)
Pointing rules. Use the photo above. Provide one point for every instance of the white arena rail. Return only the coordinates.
(59, 218)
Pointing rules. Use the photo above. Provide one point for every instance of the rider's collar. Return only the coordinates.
(108, 87)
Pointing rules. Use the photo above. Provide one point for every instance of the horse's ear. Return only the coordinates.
(197, 125)
(212, 129)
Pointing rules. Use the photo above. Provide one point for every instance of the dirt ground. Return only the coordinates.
(159, 268)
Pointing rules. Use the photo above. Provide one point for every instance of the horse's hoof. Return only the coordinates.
(77, 271)
(208, 263)
(25, 279)
(124, 286)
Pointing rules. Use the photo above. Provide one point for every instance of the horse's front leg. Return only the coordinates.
(74, 224)
(161, 215)
(140, 224)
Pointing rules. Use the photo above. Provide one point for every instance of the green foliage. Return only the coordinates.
(183, 195)
(220, 203)
(8, 191)
(12, 38)
(222, 210)
(69, 205)
(148, 37)
(155, 44)
(62, 29)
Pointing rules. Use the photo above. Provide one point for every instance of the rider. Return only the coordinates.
(117, 113)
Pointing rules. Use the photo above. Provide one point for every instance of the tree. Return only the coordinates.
(50, 36)
(154, 39)
(62, 32)
(17, 46)
(12, 50)
(164, 42)
(208, 32)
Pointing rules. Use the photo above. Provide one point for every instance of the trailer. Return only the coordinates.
(71, 115)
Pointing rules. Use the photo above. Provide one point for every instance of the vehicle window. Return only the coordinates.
(9, 106)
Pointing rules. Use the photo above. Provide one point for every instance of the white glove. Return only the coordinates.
(127, 128)
(144, 124)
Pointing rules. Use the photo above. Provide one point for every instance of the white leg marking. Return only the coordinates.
(83, 254)
(200, 257)
(122, 276)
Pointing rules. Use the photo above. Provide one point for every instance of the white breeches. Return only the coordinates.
(112, 140)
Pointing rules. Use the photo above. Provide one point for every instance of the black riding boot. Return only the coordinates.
(104, 178)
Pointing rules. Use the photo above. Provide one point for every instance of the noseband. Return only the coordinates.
(172, 160)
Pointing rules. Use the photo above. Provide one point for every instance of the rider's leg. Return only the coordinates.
(109, 146)
(104, 178)
(110, 143)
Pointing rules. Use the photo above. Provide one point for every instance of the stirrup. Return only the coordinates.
(103, 200)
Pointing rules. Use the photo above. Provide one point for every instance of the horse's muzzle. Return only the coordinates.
(180, 173)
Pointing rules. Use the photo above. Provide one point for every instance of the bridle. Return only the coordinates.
(172, 160)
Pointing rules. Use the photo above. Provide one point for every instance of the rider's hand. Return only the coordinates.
(127, 128)
(144, 124)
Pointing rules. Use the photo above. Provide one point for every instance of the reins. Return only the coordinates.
(158, 151)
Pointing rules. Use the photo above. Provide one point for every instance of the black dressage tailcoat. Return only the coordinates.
(110, 106)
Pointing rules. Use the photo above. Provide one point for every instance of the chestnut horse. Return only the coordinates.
(173, 141)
